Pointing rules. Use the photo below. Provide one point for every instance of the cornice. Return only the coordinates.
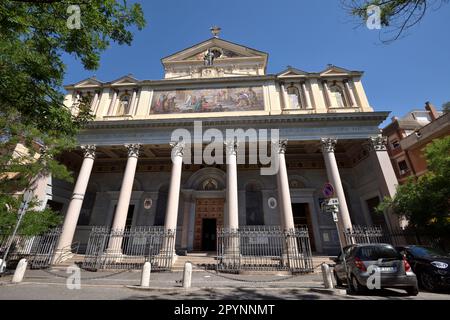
(241, 120)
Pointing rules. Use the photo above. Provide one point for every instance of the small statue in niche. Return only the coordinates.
(209, 58)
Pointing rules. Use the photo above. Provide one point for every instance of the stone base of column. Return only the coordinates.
(61, 256)
(113, 256)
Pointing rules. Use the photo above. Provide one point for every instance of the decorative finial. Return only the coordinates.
(215, 31)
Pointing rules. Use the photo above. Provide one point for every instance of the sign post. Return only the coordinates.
(331, 205)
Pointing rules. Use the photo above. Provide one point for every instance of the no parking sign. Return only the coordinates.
(328, 190)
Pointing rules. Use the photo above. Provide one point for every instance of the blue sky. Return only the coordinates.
(303, 33)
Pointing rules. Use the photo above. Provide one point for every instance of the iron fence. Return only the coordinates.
(376, 234)
(129, 249)
(38, 250)
(264, 248)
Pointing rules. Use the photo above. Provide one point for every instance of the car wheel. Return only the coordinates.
(412, 291)
(427, 281)
(338, 281)
(356, 286)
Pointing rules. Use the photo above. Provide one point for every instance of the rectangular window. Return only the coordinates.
(403, 166)
(395, 144)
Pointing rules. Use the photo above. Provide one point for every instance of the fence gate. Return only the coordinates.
(375, 234)
(264, 248)
(38, 250)
(129, 249)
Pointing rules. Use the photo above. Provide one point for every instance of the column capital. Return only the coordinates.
(177, 148)
(89, 151)
(133, 150)
(378, 143)
(328, 145)
(231, 147)
(280, 146)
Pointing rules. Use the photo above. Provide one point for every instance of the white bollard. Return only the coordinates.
(2, 266)
(146, 271)
(327, 277)
(20, 271)
(187, 275)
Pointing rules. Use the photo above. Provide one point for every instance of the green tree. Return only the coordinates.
(396, 16)
(425, 202)
(34, 36)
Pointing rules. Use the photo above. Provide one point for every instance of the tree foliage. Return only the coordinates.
(396, 16)
(34, 36)
(425, 202)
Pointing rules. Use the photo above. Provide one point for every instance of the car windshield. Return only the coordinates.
(427, 252)
(372, 253)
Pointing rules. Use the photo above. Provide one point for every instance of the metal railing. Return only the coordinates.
(129, 249)
(38, 250)
(376, 234)
(264, 248)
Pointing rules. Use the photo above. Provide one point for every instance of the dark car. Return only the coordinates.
(365, 260)
(430, 265)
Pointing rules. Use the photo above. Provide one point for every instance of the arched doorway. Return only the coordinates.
(207, 188)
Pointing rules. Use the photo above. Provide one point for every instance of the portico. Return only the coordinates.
(137, 167)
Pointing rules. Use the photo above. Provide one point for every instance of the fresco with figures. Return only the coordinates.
(207, 100)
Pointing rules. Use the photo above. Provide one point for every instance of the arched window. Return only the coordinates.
(294, 97)
(337, 94)
(124, 105)
(254, 205)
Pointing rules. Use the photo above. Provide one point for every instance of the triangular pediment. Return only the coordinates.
(88, 83)
(292, 72)
(126, 80)
(335, 71)
(228, 50)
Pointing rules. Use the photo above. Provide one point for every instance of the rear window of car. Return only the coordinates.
(370, 253)
(427, 252)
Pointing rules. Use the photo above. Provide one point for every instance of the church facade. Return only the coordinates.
(134, 171)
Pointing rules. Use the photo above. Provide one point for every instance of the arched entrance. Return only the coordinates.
(206, 189)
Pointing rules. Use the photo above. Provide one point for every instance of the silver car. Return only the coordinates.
(374, 266)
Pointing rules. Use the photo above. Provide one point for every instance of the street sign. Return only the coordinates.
(328, 190)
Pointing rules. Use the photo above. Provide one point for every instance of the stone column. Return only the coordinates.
(290, 254)
(350, 93)
(328, 146)
(327, 94)
(132, 109)
(284, 193)
(73, 212)
(170, 224)
(112, 106)
(120, 216)
(175, 183)
(307, 97)
(287, 101)
(387, 180)
(94, 102)
(232, 186)
(232, 244)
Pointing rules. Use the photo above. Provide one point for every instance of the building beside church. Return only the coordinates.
(409, 136)
(328, 132)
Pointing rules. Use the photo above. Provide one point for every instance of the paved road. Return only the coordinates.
(40, 291)
(42, 285)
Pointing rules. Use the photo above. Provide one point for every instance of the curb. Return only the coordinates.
(182, 290)
(332, 292)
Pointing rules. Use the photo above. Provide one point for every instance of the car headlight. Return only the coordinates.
(440, 265)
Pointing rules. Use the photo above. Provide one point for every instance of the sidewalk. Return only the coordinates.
(171, 280)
